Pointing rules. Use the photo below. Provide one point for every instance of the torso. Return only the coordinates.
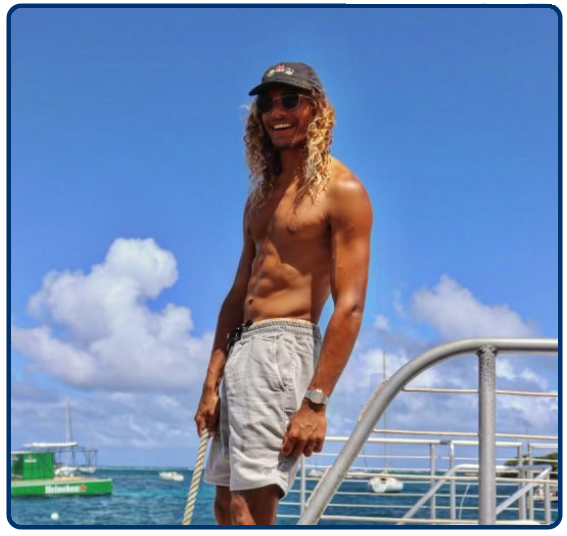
(292, 264)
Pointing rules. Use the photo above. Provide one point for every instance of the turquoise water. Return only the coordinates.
(140, 497)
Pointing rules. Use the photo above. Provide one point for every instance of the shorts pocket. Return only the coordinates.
(282, 351)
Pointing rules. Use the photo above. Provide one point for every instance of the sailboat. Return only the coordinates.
(50, 469)
(69, 467)
(385, 483)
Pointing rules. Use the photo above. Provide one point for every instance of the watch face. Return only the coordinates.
(316, 396)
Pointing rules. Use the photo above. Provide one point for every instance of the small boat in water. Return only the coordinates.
(171, 475)
(540, 494)
(314, 473)
(385, 484)
(51, 469)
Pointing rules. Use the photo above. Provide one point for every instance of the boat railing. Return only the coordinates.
(486, 351)
(451, 475)
(419, 464)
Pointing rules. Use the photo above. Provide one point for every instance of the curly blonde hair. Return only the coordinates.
(264, 160)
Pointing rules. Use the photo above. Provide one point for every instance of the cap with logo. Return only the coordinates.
(295, 74)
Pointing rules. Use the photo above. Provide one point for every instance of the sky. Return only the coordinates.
(128, 181)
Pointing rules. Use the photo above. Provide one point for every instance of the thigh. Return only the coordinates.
(256, 506)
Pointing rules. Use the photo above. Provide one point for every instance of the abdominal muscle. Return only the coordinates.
(295, 289)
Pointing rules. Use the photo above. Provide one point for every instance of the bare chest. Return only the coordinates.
(284, 221)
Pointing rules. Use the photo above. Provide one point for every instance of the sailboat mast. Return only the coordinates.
(69, 431)
(384, 424)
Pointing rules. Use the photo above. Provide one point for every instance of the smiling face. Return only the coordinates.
(287, 128)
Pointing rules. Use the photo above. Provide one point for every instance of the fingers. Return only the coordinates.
(212, 429)
(308, 450)
(203, 423)
(200, 422)
(287, 445)
(298, 449)
(311, 447)
(318, 447)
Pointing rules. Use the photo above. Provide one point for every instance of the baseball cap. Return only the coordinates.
(295, 74)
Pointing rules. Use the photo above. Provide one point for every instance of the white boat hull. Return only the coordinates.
(385, 484)
(171, 476)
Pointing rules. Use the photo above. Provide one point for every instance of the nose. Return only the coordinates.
(278, 105)
(278, 110)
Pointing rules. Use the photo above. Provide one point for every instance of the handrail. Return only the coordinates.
(473, 467)
(330, 482)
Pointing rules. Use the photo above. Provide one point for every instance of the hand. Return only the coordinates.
(208, 411)
(306, 431)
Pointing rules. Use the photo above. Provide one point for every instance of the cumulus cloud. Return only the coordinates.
(97, 330)
(448, 311)
(105, 420)
(455, 313)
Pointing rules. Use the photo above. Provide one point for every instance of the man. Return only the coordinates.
(306, 229)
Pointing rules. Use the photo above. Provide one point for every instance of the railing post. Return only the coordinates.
(530, 498)
(522, 511)
(452, 485)
(487, 435)
(432, 458)
(547, 502)
(302, 485)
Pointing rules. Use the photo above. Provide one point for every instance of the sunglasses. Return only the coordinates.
(289, 101)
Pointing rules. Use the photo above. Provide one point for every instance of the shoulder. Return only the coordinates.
(346, 192)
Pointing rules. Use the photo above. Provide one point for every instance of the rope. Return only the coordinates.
(199, 462)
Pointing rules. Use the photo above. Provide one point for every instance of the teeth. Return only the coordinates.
(282, 126)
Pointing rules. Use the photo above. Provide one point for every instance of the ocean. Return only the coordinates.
(140, 497)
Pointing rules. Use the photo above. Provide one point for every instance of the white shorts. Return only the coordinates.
(266, 375)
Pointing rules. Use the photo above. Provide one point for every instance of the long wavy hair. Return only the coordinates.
(264, 160)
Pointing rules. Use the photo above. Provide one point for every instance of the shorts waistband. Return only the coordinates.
(289, 325)
(286, 325)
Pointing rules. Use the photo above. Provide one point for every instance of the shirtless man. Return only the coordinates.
(306, 230)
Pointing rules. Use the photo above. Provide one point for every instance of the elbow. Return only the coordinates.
(352, 310)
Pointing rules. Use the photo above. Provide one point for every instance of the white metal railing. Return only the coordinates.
(486, 350)
(445, 465)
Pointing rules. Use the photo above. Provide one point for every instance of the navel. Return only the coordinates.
(290, 229)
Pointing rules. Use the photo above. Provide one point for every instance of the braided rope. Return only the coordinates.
(199, 462)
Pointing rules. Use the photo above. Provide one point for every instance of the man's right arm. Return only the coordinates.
(230, 316)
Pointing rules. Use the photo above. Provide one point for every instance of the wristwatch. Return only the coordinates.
(317, 396)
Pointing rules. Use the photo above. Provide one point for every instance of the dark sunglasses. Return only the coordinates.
(289, 101)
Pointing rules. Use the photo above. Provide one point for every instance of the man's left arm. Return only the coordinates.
(350, 220)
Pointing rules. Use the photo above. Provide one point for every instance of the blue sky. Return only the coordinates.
(128, 181)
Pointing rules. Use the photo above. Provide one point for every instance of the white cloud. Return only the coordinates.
(382, 323)
(527, 414)
(524, 378)
(98, 332)
(455, 313)
(105, 420)
(398, 306)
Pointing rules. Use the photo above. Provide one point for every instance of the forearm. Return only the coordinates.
(230, 316)
(337, 346)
